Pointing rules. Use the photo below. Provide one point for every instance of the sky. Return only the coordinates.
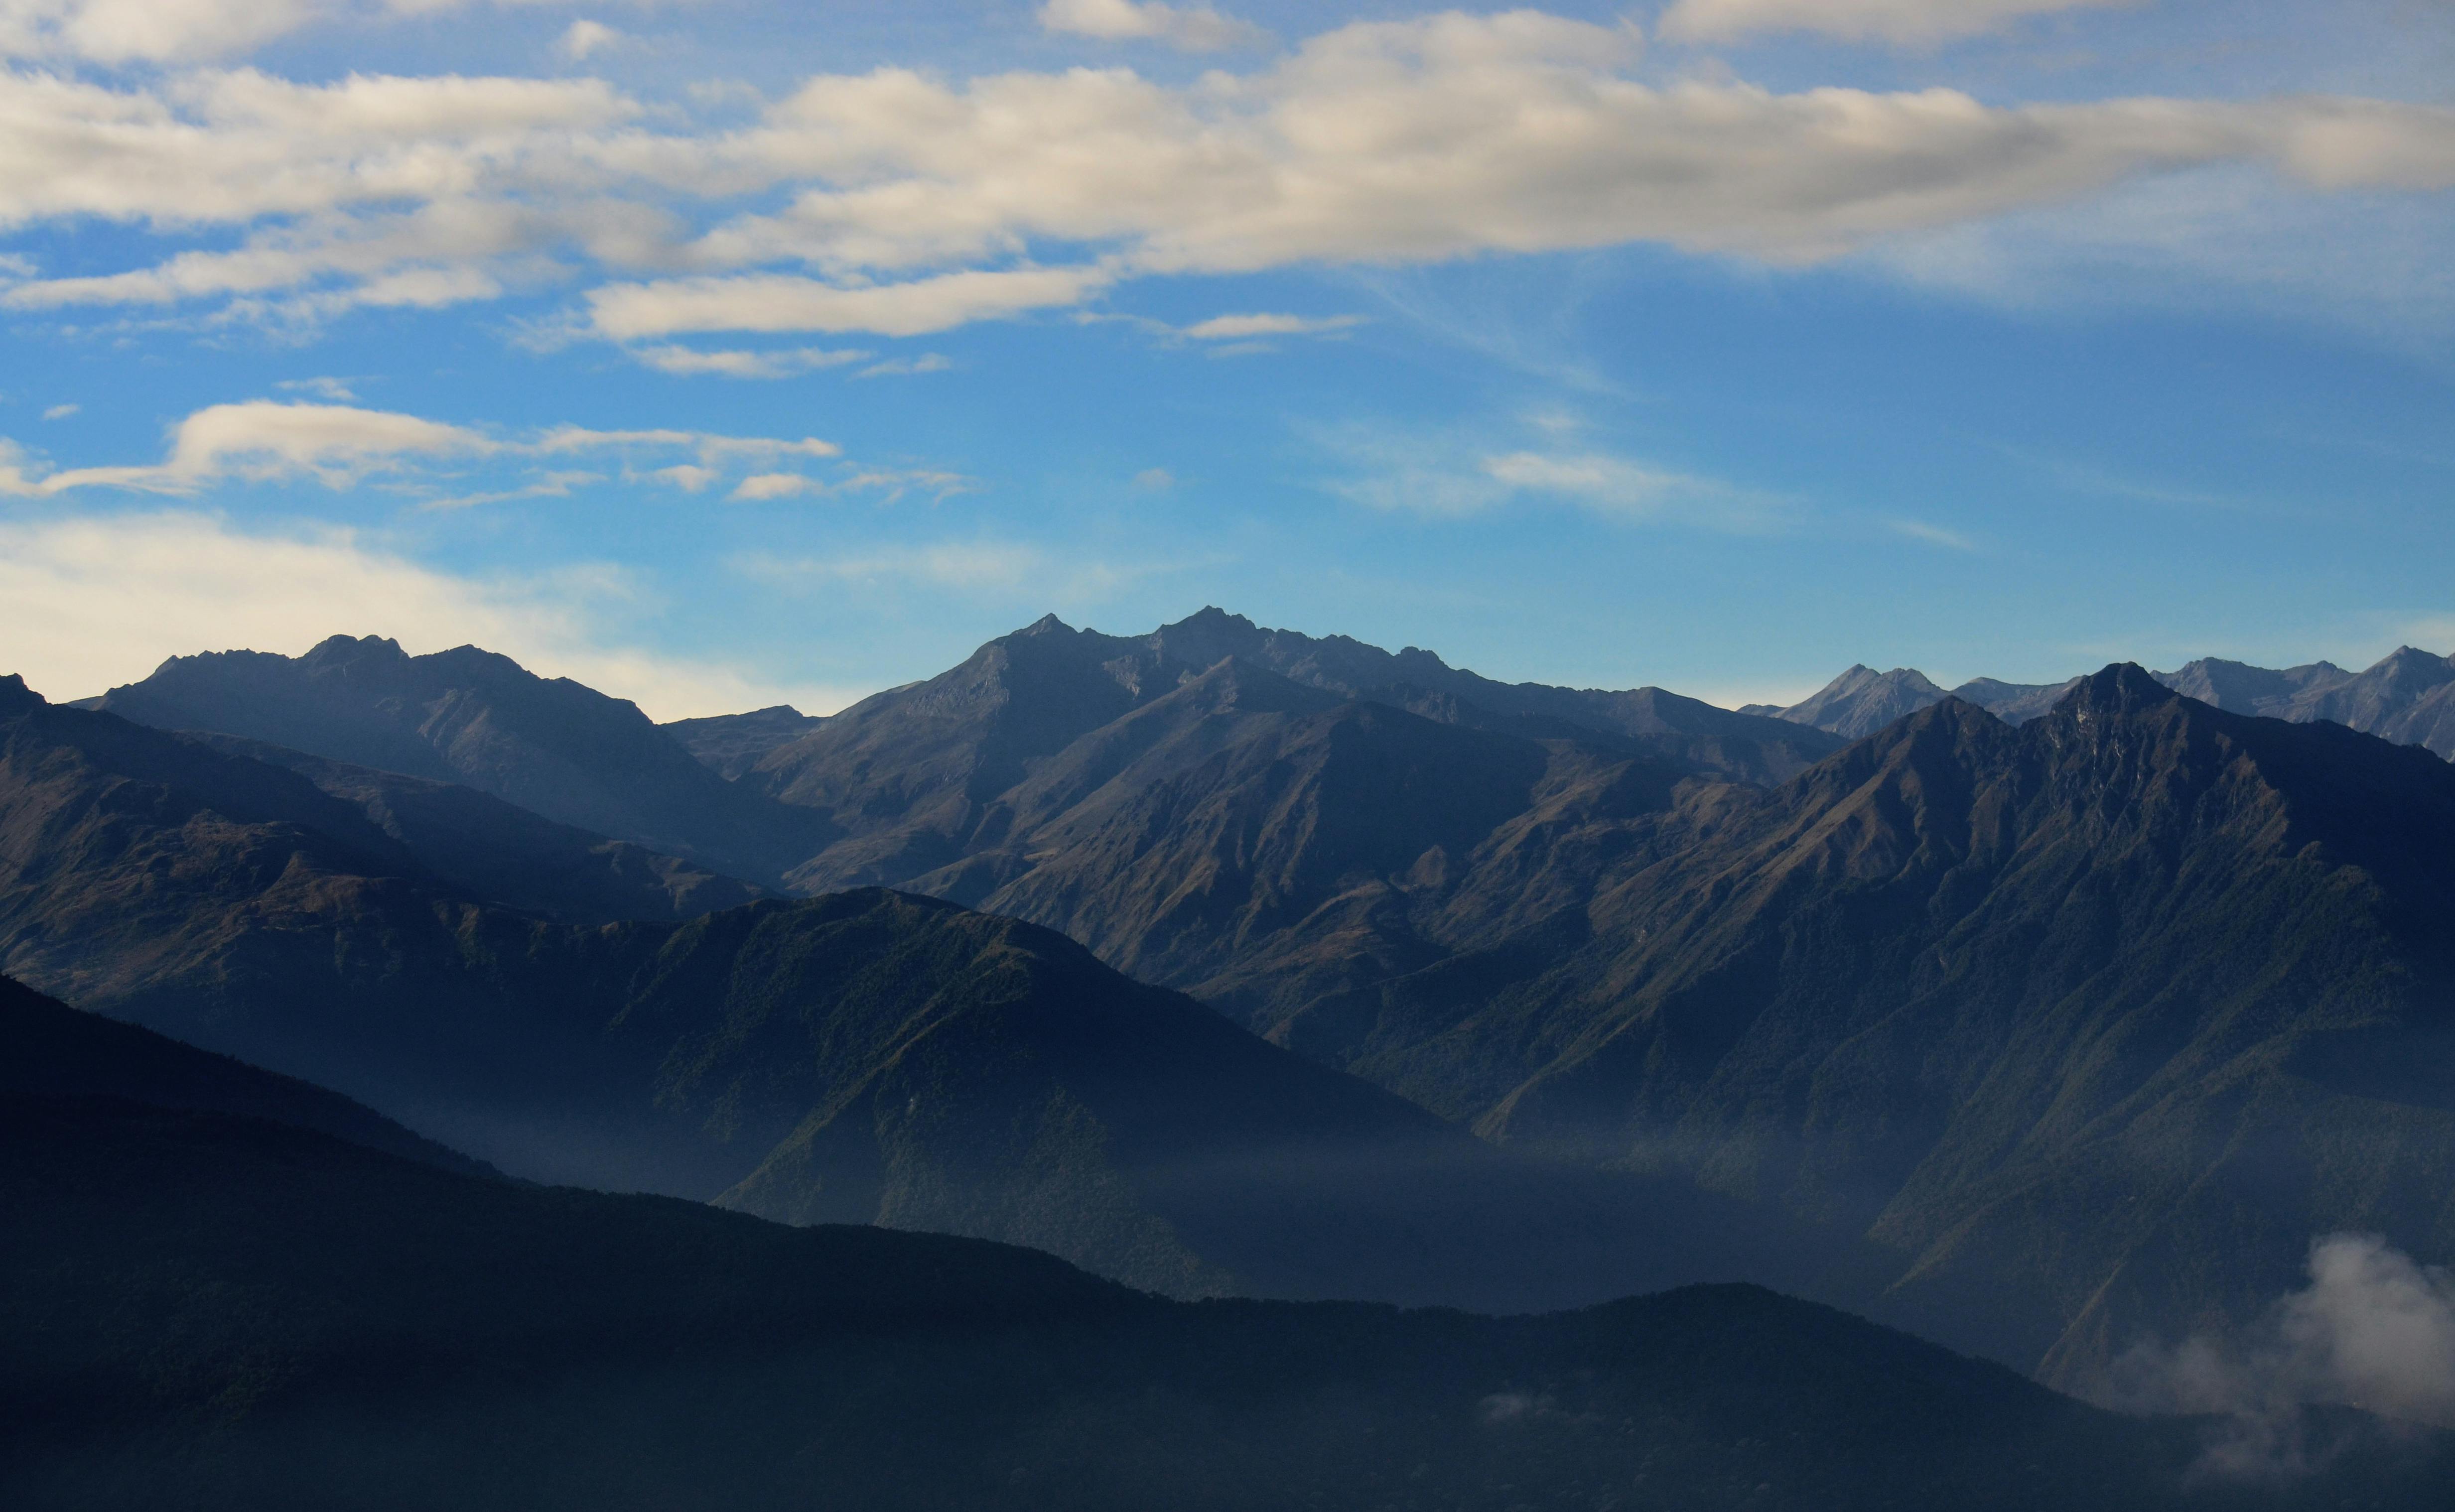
(718, 354)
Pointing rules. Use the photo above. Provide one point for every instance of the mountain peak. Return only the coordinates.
(2123, 687)
(1047, 625)
(15, 697)
(1211, 617)
(355, 648)
(1862, 701)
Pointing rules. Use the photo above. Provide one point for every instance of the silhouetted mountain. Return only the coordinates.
(500, 853)
(1862, 701)
(2093, 1023)
(918, 777)
(50, 1050)
(864, 1057)
(733, 743)
(209, 1312)
(471, 717)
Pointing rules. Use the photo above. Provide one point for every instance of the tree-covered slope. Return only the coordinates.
(50, 1050)
(219, 1313)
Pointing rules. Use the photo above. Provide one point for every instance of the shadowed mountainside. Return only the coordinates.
(500, 853)
(2091, 1022)
(865, 1056)
(730, 744)
(472, 717)
(219, 1313)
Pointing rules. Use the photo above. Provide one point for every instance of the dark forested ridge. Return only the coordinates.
(211, 1312)
(50, 1050)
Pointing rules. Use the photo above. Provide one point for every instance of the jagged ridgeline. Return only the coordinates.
(2077, 1023)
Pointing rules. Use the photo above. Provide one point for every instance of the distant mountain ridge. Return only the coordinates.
(479, 719)
(2408, 697)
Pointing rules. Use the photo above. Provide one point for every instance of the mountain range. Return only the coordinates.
(865, 1056)
(2052, 1028)
(2408, 697)
(225, 1290)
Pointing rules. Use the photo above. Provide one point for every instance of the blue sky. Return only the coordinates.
(717, 353)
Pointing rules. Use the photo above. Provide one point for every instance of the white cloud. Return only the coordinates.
(1192, 28)
(144, 31)
(1910, 21)
(690, 361)
(1446, 476)
(2372, 1330)
(180, 30)
(907, 367)
(779, 302)
(335, 390)
(585, 38)
(1238, 328)
(774, 485)
(100, 601)
(1155, 479)
(61, 411)
(262, 440)
(904, 204)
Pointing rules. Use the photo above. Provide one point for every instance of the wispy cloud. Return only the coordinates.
(1190, 29)
(1934, 534)
(908, 366)
(692, 362)
(1406, 471)
(1900, 21)
(341, 446)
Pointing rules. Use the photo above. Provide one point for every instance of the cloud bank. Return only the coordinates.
(899, 204)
